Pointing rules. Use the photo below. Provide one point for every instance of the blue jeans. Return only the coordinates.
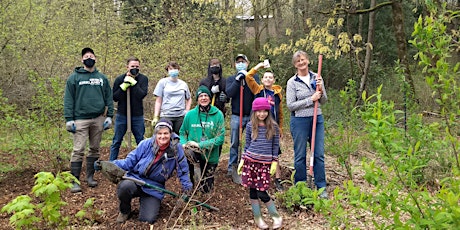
(234, 138)
(301, 130)
(137, 127)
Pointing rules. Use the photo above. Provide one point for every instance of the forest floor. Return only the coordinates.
(231, 199)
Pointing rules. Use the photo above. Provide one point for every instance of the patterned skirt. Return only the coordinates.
(256, 175)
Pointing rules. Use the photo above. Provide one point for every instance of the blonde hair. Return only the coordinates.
(269, 122)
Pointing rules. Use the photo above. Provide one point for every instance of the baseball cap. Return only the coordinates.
(86, 50)
(241, 56)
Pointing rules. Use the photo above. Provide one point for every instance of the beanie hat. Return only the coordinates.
(162, 123)
(202, 89)
(260, 103)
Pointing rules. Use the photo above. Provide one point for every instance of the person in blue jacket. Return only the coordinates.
(232, 89)
(153, 161)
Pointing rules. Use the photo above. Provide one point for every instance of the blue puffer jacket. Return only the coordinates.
(138, 162)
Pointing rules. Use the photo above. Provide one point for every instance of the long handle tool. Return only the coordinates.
(313, 130)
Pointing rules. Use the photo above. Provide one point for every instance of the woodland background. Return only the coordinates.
(391, 68)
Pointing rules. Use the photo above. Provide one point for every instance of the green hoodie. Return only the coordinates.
(213, 136)
(86, 95)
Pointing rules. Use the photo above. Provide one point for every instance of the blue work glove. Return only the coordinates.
(97, 165)
(241, 75)
(222, 97)
(107, 123)
(70, 126)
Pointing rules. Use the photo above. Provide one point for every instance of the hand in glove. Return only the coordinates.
(130, 80)
(240, 167)
(107, 123)
(124, 86)
(273, 168)
(70, 126)
(193, 144)
(222, 97)
(97, 165)
(241, 75)
(155, 121)
(215, 89)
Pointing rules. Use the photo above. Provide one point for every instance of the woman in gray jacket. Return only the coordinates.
(301, 95)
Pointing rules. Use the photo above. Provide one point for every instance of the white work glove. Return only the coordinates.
(70, 126)
(215, 89)
(241, 75)
(107, 123)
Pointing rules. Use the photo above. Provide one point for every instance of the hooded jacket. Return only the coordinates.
(206, 129)
(209, 82)
(139, 165)
(86, 95)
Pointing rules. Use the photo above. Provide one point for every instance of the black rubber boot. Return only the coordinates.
(75, 169)
(90, 171)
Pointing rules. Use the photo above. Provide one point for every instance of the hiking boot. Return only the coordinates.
(229, 173)
(122, 217)
(323, 195)
(278, 185)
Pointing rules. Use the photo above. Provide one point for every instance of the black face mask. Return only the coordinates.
(134, 71)
(214, 69)
(89, 62)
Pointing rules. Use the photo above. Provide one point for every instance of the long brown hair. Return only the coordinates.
(269, 122)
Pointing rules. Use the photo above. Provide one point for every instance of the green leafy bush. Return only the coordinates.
(47, 212)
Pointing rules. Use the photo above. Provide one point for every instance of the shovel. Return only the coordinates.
(313, 130)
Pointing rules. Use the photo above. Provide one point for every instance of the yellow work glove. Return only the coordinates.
(273, 167)
(155, 121)
(130, 80)
(240, 167)
(124, 86)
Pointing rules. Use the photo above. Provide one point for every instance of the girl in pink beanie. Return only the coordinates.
(260, 159)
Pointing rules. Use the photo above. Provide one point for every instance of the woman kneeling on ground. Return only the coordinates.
(153, 162)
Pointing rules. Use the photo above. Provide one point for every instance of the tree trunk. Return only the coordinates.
(398, 23)
(370, 41)
(256, 13)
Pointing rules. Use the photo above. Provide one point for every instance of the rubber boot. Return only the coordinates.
(90, 171)
(277, 220)
(255, 205)
(75, 170)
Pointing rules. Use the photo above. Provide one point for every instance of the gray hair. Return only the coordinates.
(297, 55)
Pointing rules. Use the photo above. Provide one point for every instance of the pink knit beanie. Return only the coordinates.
(260, 103)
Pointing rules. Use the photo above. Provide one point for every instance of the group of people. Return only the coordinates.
(185, 139)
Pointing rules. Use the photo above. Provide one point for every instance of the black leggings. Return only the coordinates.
(256, 194)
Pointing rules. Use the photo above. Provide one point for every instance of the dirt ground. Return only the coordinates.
(231, 199)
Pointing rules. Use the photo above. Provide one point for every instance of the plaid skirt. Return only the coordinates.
(256, 175)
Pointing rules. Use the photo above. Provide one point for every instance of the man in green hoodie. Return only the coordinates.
(88, 110)
(203, 128)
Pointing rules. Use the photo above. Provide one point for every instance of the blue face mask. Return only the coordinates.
(241, 66)
(173, 73)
